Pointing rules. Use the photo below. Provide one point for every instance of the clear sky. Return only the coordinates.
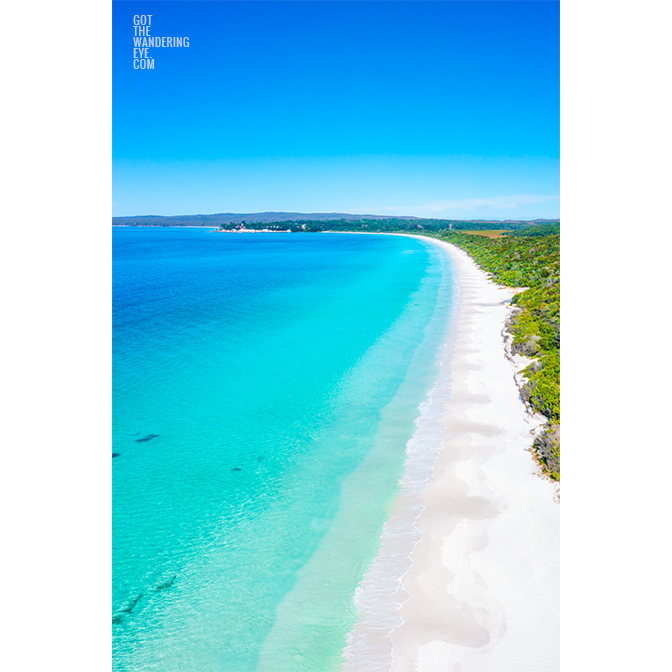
(434, 109)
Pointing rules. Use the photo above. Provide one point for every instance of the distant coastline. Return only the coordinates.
(320, 221)
(182, 226)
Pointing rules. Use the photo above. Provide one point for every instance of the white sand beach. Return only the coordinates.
(482, 592)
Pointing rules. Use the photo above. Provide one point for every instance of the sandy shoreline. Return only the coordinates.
(482, 592)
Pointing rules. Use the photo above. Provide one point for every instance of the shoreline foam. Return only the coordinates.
(473, 584)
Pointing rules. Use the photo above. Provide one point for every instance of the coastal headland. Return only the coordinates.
(482, 589)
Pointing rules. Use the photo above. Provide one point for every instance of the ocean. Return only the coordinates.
(265, 389)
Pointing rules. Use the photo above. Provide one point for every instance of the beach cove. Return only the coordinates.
(480, 590)
(280, 401)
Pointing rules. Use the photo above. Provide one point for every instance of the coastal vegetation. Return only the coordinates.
(379, 225)
(529, 257)
(298, 222)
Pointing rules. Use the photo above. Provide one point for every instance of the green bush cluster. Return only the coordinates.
(384, 225)
(530, 258)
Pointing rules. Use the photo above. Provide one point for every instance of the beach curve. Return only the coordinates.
(479, 587)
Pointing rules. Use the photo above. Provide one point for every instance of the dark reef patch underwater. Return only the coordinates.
(149, 437)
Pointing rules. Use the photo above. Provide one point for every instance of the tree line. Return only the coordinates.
(530, 257)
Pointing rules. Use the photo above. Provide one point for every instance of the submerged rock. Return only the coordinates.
(131, 605)
(149, 437)
(167, 584)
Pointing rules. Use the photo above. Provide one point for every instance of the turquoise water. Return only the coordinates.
(265, 387)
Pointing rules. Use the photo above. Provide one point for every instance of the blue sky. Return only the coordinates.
(433, 109)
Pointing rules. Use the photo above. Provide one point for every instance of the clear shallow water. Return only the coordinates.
(265, 387)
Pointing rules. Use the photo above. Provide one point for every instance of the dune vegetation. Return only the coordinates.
(529, 257)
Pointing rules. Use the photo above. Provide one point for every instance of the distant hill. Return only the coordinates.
(237, 218)
(229, 219)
